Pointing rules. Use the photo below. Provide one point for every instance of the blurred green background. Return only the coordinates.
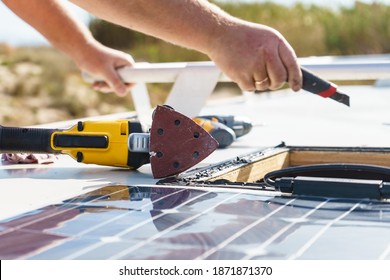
(44, 85)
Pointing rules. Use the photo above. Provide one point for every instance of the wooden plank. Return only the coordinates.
(297, 156)
(321, 157)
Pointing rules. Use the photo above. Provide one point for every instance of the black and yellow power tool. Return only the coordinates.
(174, 143)
(224, 129)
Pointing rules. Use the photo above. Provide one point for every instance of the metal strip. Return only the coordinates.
(312, 240)
(332, 68)
(46, 217)
(385, 253)
(241, 232)
(154, 237)
(84, 232)
(142, 105)
(282, 231)
(96, 226)
(99, 244)
(192, 88)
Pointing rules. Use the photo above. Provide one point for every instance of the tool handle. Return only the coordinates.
(28, 140)
(316, 85)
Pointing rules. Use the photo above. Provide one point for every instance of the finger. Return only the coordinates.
(276, 71)
(262, 84)
(294, 73)
(102, 87)
(244, 82)
(105, 88)
(247, 86)
(115, 82)
(260, 76)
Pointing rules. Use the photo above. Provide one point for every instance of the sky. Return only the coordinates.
(16, 32)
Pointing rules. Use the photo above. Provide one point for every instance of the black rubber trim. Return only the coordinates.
(27, 140)
(80, 141)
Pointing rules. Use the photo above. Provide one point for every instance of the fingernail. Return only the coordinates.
(121, 90)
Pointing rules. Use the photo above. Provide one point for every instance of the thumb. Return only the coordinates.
(115, 82)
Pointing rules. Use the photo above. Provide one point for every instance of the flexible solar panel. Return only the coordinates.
(125, 222)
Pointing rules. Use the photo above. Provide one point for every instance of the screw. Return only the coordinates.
(80, 126)
(79, 156)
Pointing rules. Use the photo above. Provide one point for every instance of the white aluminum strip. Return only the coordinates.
(351, 70)
(192, 88)
(331, 68)
(142, 104)
(159, 72)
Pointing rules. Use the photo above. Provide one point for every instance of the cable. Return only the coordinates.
(340, 180)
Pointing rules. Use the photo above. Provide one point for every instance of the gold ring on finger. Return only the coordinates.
(260, 83)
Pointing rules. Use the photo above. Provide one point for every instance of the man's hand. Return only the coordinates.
(257, 57)
(102, 63)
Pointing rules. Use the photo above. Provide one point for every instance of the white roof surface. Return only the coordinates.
(301, 119)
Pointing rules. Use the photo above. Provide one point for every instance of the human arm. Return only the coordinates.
(244, 51)
(53, 20)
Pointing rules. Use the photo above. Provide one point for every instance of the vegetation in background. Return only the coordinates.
(40, 85)
(311, 30)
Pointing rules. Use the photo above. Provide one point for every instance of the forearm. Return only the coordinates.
(52, 20)
(65, 32)
(193, 24)
(248, 53)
